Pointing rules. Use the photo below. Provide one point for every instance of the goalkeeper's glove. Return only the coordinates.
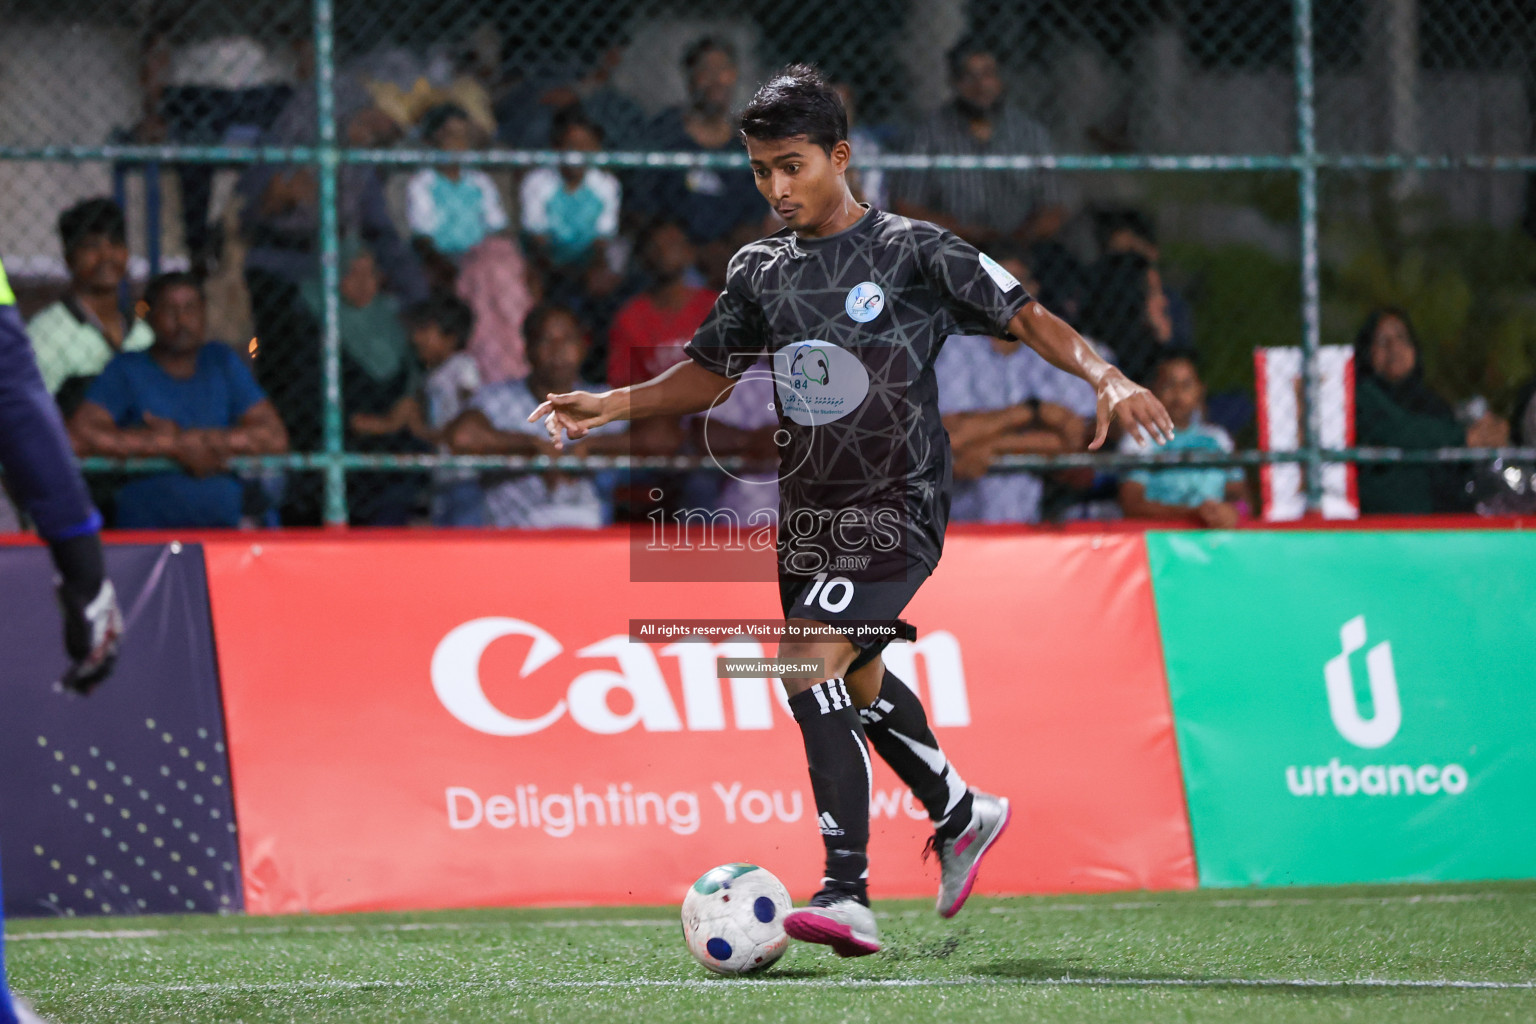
(92, 632)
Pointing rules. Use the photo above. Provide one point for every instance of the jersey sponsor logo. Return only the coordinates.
(1368, 733)
(864, 301)
(692, 700)
(1004, 280)
(818, 382)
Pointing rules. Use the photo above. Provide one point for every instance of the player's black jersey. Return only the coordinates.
(853, 323)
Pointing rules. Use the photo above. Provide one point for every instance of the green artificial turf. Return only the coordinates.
(1399, 954)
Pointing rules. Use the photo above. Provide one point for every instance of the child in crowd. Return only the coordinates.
(1213, 496)
(570, 214)
(452, 208)
(439, 329)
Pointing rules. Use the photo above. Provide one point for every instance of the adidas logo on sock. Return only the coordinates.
(877, 711)
(829, 826)
(831, 696)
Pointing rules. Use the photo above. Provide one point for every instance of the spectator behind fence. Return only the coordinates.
(451, 208)
(649, 331)
(1125, 229)
(378, 369)
(1212, 496)
(982, 206)
(185, 399)
(570, 214)
(280, 217)
(77, 336)
(1395, 408)
(498, 425)
(998, 397)
(439, 328)
(713, 204)
(1127, 311)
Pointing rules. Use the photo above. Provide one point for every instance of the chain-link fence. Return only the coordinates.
(373, 200)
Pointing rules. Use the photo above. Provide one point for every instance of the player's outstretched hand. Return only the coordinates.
(1141, 414)
(92, 632)
(570, 415)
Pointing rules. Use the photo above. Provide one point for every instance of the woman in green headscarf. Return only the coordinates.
(378, 368)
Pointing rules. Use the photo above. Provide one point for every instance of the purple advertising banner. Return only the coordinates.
(117, 803)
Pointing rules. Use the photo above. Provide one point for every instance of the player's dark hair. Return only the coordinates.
(969, 46)
(447, 313)
(797, 101)
(436, 117)
(705, 45)
(162, 283)
(538, 316)
(91, 217)
(569, 119)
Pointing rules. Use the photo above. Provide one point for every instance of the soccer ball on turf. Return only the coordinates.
(733, 919)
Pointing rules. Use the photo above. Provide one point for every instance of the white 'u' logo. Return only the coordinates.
(1388, 717)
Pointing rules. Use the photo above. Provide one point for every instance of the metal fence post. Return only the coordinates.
(330, 272)
(1311, 296)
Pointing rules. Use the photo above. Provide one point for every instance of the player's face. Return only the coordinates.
(1392, 353)
(1178, 387)
(801, 181)
(178, 319)
(98, 262)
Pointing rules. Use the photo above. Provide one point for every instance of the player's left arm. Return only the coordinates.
(1139, 411)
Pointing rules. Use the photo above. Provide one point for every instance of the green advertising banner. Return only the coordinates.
(1353, 707)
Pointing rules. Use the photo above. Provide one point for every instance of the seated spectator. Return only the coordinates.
(440, 328)
(77, 336)
(648, 333)
(280, 219)
(377, 365)
(501, 287)
(185, 399)
(1126, 310)
(1124, 229)
(1395, 408)
(719, 208)
(981, 206)
(570, 214)
(1209, 495)
(498, 425)
(999, 397)
(378, 369)
(650, 330)
(452, 208)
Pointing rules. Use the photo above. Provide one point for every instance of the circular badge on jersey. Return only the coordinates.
(864, 301)
(818, 382)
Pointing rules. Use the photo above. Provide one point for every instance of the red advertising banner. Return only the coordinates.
(464, 721)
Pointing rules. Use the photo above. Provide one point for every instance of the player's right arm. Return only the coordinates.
(681, 389)
(729, 341)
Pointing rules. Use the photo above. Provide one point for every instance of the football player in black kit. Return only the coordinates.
(852, 305)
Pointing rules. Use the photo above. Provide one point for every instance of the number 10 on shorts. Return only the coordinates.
(841, 586)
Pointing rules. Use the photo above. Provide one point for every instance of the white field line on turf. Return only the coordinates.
(324, 985)
(323, 929)
(652, 922)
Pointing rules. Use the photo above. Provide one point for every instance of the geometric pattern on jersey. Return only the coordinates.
(890, 451)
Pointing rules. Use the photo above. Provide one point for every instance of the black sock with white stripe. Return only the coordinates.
(840, 781)
(897, 726)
